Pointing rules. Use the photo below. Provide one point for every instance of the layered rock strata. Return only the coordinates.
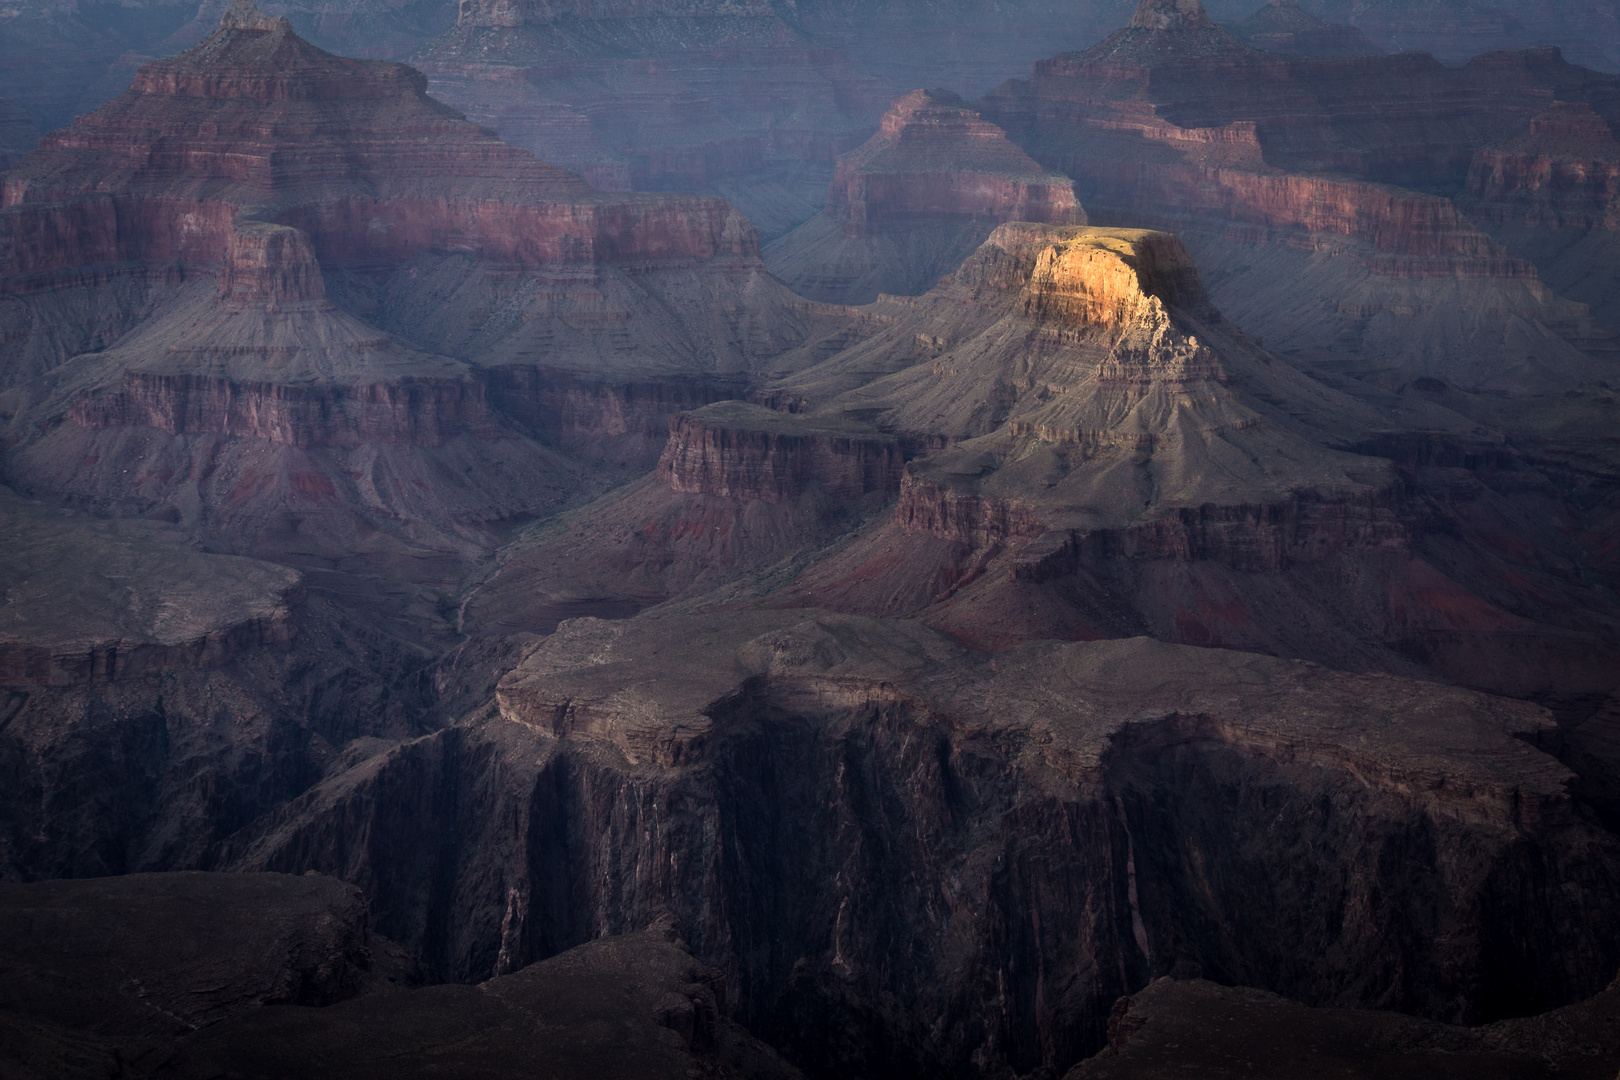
(1110, 455)
(309, 187)
(917, 198)
(749, 452)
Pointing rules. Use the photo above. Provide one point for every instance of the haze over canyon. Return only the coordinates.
(949, 540)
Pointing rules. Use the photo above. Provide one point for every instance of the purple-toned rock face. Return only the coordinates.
(1109, 575)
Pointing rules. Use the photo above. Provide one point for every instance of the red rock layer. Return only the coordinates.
(271, 265)
(403, 411)
(934, 157)
(760, 455)
(1396, 232)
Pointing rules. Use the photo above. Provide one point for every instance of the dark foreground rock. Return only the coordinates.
(1183, 1028)
(198, 975)
(631, 1006)
(149, 957)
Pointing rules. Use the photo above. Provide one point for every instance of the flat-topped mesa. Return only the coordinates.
(272, 265)
(741, 451)
(935, 157)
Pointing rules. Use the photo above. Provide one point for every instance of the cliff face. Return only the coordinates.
(1563, 173)
(743, 452)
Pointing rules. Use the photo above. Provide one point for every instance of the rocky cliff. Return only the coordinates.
(1109, 454)
(849, 816)
(741, 451)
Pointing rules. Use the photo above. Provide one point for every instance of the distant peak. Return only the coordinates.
(245, 15)
(1171, 15)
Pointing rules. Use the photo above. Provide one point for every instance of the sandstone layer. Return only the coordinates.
(907, 207)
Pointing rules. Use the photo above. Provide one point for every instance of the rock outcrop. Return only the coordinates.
(151, 957)
(1110, 455)
(637, 1004)
(907, 207)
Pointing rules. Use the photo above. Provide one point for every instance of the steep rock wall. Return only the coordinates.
(708, 455)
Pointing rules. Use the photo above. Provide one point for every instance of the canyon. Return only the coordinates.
(623, 537)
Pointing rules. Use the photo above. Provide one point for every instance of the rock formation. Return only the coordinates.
(254, 403)
(168, 975)
(149, 957)
(846, 814)
(1314, 191)
(424, 566)
(906, 208)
